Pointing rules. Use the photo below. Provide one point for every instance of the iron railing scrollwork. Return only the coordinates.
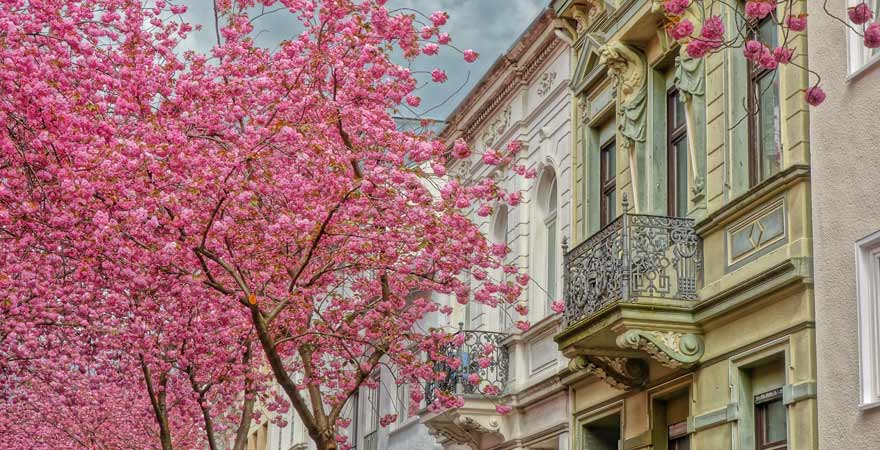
(636, 255)
(482, 353)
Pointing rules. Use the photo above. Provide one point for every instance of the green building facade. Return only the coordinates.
(689, 316)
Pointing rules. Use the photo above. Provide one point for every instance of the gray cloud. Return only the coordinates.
(486, 26)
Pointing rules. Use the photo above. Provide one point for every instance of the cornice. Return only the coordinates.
(515, 73)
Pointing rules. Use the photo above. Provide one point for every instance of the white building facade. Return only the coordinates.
(523, 97)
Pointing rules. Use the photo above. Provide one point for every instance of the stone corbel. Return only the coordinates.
(627, 66)
(619, 372)
(669, 348)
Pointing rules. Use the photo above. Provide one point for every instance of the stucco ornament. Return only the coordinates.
(585, 14)
(545, 83)
(497, 127)
(619, 372)
(669, 348)
(627, 67)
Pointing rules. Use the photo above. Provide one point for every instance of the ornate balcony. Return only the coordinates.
(628, 291)
(482, 353)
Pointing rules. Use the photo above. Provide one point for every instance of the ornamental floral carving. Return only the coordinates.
(497, 127)
(545, 83)
(619, 372)
(669, 348)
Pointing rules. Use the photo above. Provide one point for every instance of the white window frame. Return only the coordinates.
(868, 284)
(860, 57)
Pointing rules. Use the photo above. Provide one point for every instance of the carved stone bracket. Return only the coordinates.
(669, 348)
(497, 127)
(619, 372)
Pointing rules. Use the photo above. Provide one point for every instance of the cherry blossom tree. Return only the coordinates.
(179, 229)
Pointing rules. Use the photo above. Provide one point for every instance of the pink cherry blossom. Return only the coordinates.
(815, 96)
(473, 378)
(470, 55)
(413, 100)
(503, 409)
(438, 75)
(796, 23)
(430, 48)
(443, 38)
(460, 149)
(682, 29)
(759, 9)
(439, 18)
(698, 48)
(676, 7)
(860, 13)
(872, 35)
(783, 55)
(523, 325)
(558, 306)
(713, 29)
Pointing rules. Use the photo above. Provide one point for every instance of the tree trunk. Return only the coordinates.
(247, 412)
(159, 408)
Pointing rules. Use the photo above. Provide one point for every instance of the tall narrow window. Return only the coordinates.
(677, 155)
(501, 235)
(765, 137)
(608, 183)
(550, 225)
(868, 278)
(372, 422)
(770, 421)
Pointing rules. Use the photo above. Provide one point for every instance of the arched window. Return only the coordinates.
(548, 199)
(501, 235)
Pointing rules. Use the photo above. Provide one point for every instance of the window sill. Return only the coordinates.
(873, 61)
(869, 406)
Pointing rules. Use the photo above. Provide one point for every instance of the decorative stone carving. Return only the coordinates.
(582, 105)
(497, 127)
(461, 170)
(669, 348)
(585, 15)
(545, 83)
(690, 82)
(619, 372)
(626, 65)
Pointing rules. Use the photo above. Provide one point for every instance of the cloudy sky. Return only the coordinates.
(487, 26)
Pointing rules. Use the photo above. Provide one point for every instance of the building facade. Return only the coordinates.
(688, 281)
(844, 140)
(523, 97)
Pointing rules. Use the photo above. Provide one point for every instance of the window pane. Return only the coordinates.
(681, 177)
(768, 117)
(551, 261)
(775, 421)
(551, 202)
(767, 31)
(610, 209)
(610, 158)
(679, 111)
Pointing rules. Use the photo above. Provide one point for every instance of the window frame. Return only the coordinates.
(868, 306)
(762, 402)
(859, 57)
(674, 135)
(678, 437)
(607, 181)
(756, 76)
(550, 228)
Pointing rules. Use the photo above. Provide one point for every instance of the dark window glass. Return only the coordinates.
(677, 155)
(608, 182)
(765, 137)
(770, 421)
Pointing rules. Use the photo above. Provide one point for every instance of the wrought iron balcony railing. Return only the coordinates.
(634, 256)
(481, 353)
